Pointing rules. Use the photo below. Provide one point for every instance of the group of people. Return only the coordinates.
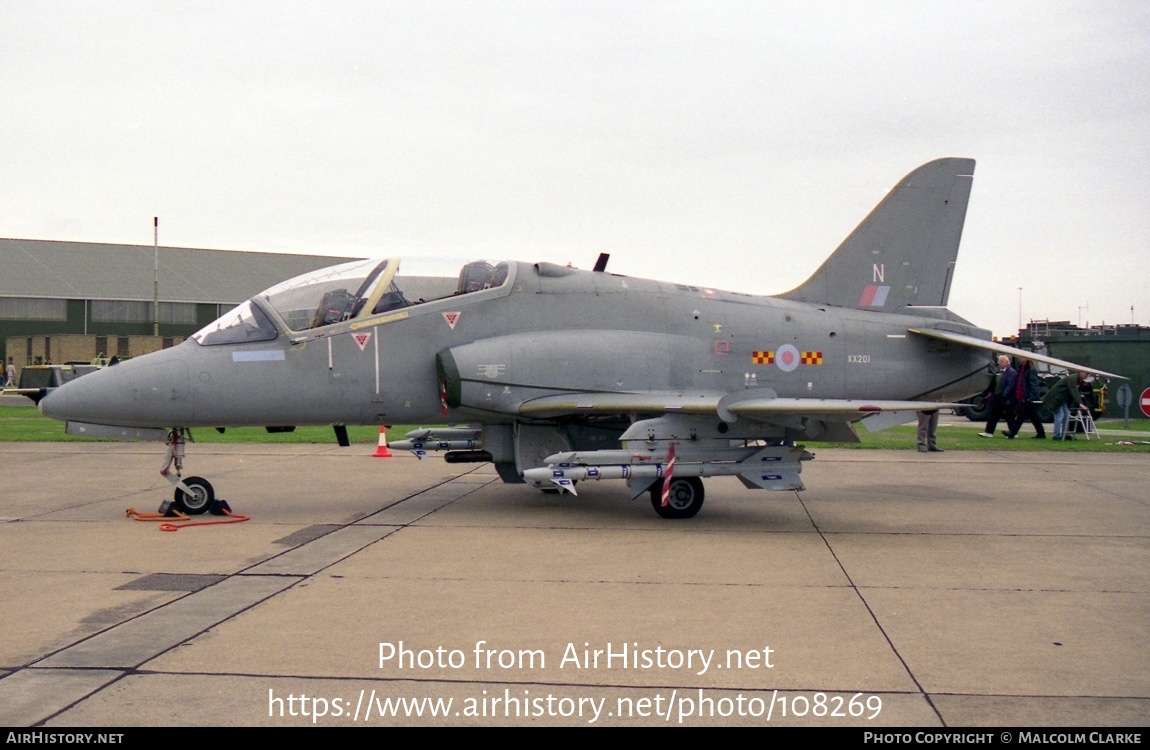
(1013, 397)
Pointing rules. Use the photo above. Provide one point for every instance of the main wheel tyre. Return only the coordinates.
(978, 409)
(685, 498)
(199, 501)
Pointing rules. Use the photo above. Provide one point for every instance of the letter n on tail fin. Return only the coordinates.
(903, 253)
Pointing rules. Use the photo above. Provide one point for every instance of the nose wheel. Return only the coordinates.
(198, 499)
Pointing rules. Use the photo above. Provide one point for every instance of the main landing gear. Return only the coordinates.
(684, 498)
(193, 495)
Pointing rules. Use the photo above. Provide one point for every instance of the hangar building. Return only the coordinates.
(1123, 349)
(71, 301)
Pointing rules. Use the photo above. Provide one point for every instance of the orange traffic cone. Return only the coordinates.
(382, 451)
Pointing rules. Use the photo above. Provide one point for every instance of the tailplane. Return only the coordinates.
(903, 253)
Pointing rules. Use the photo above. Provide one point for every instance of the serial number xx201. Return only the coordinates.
(858, 359)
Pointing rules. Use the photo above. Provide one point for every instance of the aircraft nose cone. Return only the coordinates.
(152, 391)
(89, 398)
(54, 405)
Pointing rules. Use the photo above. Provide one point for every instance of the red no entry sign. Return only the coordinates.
(1144, 402)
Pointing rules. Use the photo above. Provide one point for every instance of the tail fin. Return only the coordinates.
(903, 253)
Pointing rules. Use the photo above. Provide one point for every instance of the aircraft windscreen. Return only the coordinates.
(364, 288)
(238, 326)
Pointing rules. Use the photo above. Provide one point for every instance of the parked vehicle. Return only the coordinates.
(53, 376)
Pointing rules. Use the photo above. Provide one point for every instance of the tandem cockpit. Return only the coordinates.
(357, 290)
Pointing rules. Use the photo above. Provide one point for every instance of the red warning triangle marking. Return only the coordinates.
(361, 339)
(452, 318)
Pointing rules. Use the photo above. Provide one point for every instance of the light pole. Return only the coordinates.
(156, 276)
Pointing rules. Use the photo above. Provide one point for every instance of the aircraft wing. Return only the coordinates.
(830, 409)
(1010, 351)
(567, 404)
(745, 404)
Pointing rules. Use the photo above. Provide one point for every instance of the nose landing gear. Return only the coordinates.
(193, 495)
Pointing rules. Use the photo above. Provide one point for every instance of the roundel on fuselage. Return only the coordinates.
(787, 358)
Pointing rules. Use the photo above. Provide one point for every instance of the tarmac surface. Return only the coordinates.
(900, 589)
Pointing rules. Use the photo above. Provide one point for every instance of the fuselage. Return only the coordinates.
(544, 330)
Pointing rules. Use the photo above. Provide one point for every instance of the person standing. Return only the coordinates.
(1063, 395)
(1025, 402)
(928, 432)
(1004, 378)
(10, 374)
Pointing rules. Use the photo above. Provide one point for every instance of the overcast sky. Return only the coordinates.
(731, 145)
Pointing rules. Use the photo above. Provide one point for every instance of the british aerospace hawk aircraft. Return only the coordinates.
(579, 375)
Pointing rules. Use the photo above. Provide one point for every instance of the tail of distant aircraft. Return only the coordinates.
(903, 253)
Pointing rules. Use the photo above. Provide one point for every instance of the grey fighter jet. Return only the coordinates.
(562, 375)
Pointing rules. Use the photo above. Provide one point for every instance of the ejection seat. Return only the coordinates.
(475, 276)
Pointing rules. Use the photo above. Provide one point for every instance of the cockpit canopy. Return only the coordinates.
(357, 289)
